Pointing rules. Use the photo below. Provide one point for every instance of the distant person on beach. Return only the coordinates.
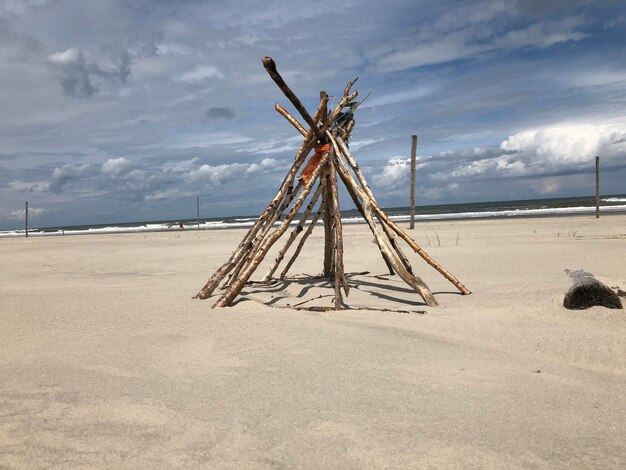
(181, 226)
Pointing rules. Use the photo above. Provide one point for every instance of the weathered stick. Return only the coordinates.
(387, 231)
(340, 279)
(302, 241)
(328, 236)
(324, 116)
(295, 232)
(315, 308)
(291, 119)
(234, 289)
(345, 151)
(270, 66)
(291, 193)
(320, 116)
(349, 85)
(247, 241)
(415, 282)
(402, 234)
(328, 269)
(256, 243)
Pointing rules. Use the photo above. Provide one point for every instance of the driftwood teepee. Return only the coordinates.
(328, 134)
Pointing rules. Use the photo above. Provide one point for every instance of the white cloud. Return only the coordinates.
(474, 40)
(357, 144)
(115, 167)
(543, 34)
(567, 145)
(201, 74)
(546, 150)
(397, 172)
(167, 194)
(72, 55)
(26, 186)
(32, 211)
(402, 96)
(217, 174)
(210, 139)
(267, 164)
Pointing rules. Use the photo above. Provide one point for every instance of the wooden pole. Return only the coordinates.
(26, 220)
(597, 187)
(413, 151)
(198, 211)
(380, 214)
(415, 282)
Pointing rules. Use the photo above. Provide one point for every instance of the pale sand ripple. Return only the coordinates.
(106, 362)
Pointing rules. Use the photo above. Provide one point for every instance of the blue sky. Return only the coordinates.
(125, 110)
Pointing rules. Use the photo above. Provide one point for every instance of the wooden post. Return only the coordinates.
(413, 151)
(597, 187)
(26, 220)
(198, 211)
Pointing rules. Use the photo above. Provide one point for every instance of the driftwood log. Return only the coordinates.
(588, 292)
(328, 133)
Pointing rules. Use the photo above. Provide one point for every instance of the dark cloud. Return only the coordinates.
(220, 113)
(75, 73)
(123, 66)
(65, 174)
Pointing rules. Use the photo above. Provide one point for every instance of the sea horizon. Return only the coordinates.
(522, 208)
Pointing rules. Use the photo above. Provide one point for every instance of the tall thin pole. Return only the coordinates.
(26, 220)
(597, 187)
(198, 211)
(413, 152)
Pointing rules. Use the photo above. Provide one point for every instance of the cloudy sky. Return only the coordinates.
(125, 110)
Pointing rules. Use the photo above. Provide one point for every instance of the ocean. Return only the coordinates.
(555, 207)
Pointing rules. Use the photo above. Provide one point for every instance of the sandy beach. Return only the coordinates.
(107, 362)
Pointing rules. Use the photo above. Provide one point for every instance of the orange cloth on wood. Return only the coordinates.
(314, 161)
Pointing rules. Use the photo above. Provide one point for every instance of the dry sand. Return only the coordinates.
(105, 361)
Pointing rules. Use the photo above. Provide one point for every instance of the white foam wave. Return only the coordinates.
(248, 222)
(614, 199)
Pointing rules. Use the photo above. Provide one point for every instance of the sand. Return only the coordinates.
(105, 361)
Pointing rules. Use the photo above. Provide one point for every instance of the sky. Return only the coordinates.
(126, 110)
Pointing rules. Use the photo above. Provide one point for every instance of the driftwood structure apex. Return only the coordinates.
(327, 135)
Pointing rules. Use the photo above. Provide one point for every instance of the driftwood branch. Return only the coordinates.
(328, 133)
(345, 152)
(295, 232)
(314, 308)
(337, 238)
(361, 199)
(588, 292)
(246, 243)
(270, 66)
(306, 234)
(234, 289)
(401, 233)
(290, 119)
